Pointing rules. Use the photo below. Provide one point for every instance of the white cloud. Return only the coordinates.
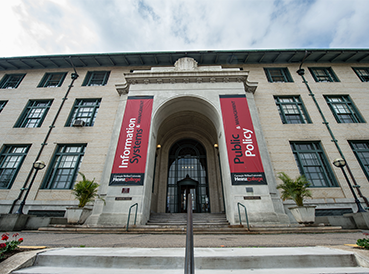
(34, 27)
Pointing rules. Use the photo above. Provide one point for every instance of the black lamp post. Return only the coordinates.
(38, 165)
(341, 163)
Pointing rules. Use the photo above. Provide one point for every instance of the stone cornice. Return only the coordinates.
(186, 72)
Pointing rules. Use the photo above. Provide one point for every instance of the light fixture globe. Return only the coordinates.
(339, 162)
(39, 165)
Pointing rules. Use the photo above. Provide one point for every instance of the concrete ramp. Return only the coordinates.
(207, 260)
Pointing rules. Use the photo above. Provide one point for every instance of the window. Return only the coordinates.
(362, 73)
(275, 75)
(96, 78)
(34, 114)
(11, 159)
(64, 167)
(85, 110)
(312, 162)
(361, 151)
(323, 75)
(291, 110)
(52, 80)
(2, 105)
(343, 109)
(11, 80)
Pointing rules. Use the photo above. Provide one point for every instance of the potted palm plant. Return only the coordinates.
(297, 190)
(85, 191)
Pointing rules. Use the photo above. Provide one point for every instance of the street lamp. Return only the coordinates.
(38, 165)
(341, 163)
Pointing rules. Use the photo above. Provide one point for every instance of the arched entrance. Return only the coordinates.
(187, 173)
(185, 129)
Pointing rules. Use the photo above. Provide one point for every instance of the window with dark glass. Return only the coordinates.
(64, 166)
(11, 159)
(34, 113)
(361, 151)
(291, 110)
(10, 81)
(343, 109)
(96, 78)
(275, 75)
(362, 73)
(323, 75)
(313, 163)
(84, 110)
(52, 80)
(2, 105)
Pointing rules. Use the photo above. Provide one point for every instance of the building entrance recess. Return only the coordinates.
(187, 174)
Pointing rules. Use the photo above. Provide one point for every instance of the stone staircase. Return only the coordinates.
(203, 223)
(207, 260)
(180, 219)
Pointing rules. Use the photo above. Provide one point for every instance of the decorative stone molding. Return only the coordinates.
(186, 71)
(122, 89)
(185, 64)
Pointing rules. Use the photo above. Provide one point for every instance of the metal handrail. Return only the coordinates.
(239, 214)
(129, 214)
(189, 267)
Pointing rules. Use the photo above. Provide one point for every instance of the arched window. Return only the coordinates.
(187, 159)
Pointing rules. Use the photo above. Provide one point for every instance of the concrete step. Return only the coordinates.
(207, 260)
(67, 270)
(182, 217)
(204, 229)
(180, 220)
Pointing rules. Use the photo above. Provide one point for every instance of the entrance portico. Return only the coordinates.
(187, 137)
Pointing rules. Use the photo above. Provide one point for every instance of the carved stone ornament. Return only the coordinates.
(185, 63)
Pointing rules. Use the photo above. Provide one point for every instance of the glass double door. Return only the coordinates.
(185, 190)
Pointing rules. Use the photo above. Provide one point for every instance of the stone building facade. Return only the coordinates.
(151, 126)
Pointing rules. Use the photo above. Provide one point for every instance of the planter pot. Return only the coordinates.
(303, 214)
(77, 215)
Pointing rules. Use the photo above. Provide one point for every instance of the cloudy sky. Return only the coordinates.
(39, 27)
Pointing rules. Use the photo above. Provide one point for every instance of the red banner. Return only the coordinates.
(243, 151)
(130, 157)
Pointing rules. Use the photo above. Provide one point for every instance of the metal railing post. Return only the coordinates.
(190, 258)
(239, 214)
(129, 214)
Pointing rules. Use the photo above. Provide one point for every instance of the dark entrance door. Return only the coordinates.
(187, 173)
(185, 187)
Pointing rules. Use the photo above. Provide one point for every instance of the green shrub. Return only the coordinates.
(85, 191)
(294, 189)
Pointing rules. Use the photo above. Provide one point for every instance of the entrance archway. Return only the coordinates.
(191, 121)
(187, 173)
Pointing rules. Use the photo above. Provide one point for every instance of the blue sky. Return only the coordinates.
(39, 27)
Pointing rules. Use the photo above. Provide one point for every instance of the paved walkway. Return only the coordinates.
(165, 240)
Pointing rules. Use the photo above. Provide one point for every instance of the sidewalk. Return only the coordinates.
(165, 240)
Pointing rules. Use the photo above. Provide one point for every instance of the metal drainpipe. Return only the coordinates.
(74, 76)
(301, 72)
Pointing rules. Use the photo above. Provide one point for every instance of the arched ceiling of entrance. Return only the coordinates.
(187, 123)
(188, 111)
